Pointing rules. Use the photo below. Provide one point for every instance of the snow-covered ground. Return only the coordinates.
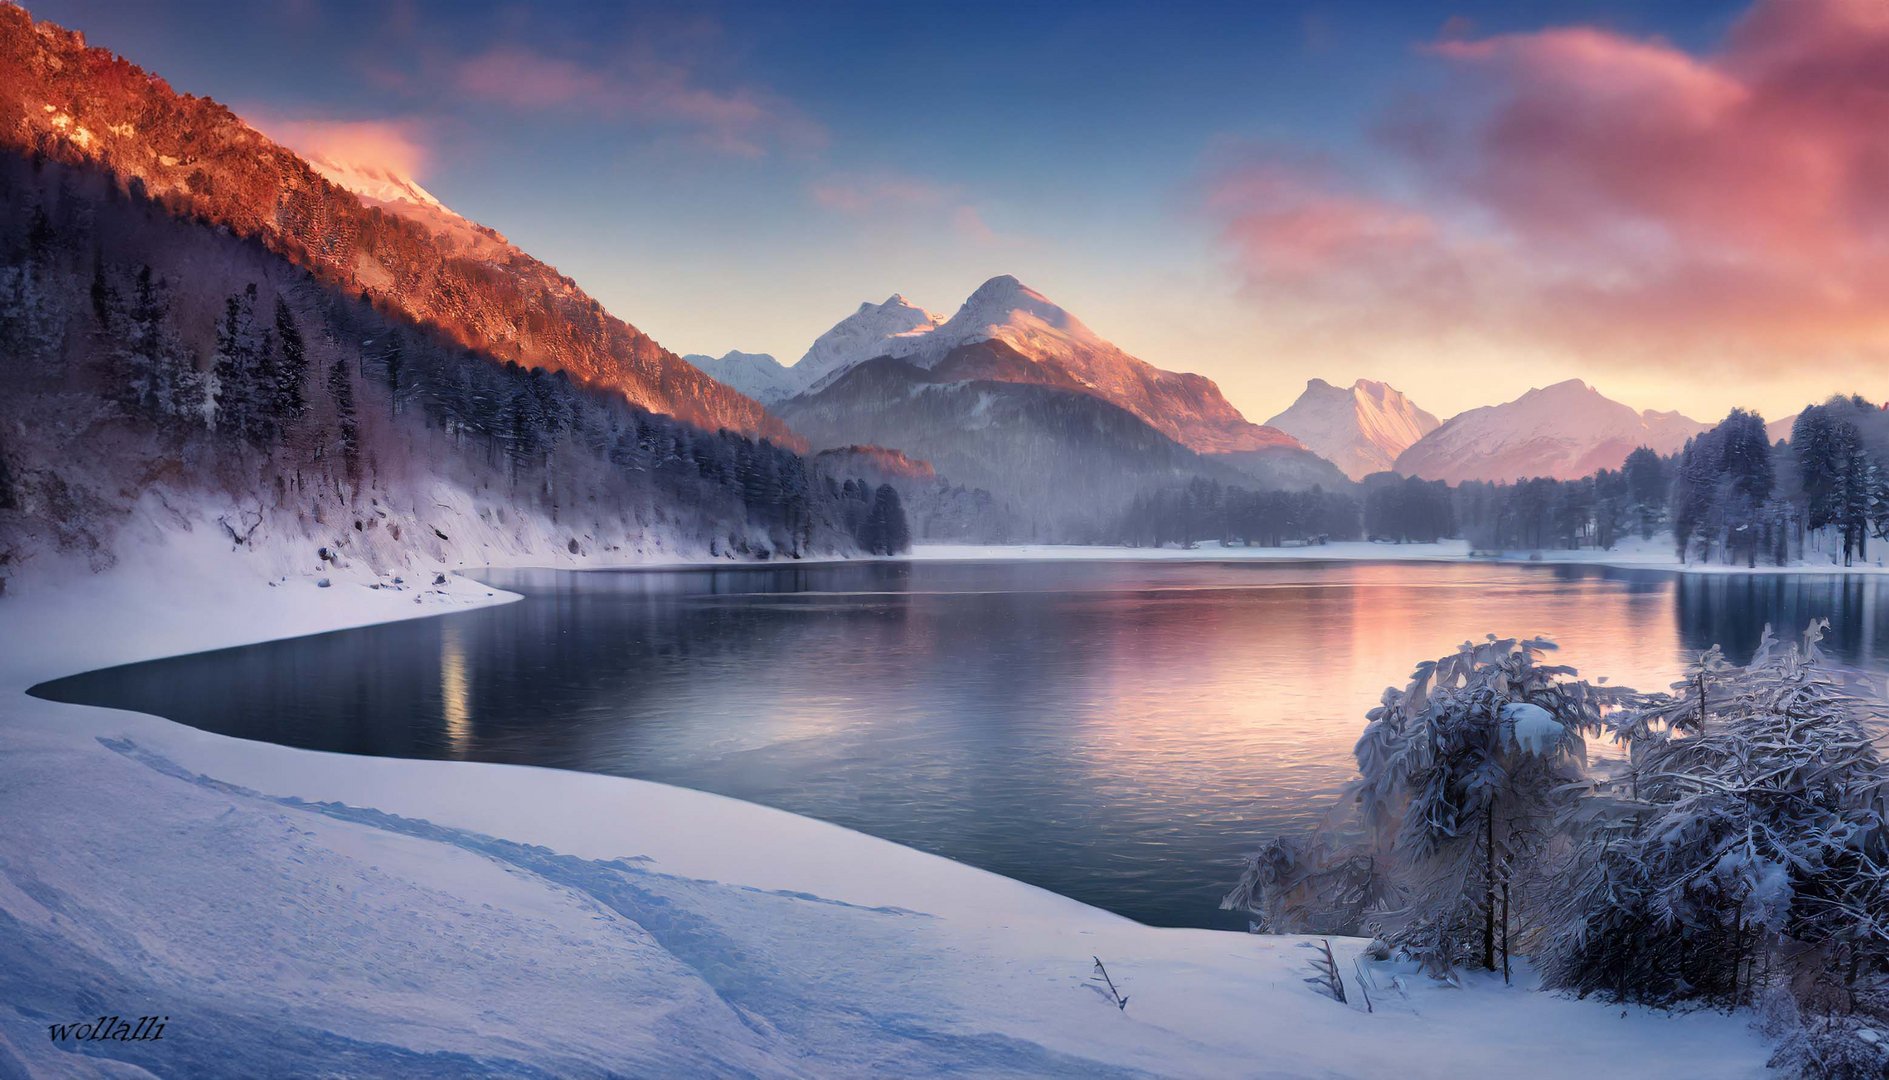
(295, 913)
(1656, 554)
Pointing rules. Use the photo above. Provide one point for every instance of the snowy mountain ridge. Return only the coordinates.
(884, 329)
(374, 183)
(1054, 347)
(89, 108)
(1361, 428)
(398, 193)
(758, 375)
(1564, 431)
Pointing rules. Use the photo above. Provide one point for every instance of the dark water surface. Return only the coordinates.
(1120, 732)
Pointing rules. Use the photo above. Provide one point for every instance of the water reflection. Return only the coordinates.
(1121, 732)
(1732, 610)
(455, 700)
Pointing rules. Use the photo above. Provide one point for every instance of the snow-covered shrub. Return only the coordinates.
(1308, 885)
(1833, 1048)
(1463, 774)
(1750, 847)
(1740, 857)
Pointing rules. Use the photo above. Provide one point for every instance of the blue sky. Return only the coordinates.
(743, 175)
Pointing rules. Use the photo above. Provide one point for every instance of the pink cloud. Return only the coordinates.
(1616, 196)
(743, 121)
(890, 197)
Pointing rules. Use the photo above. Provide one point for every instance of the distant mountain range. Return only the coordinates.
(1014, 395)
(1361, 428)
(1055, 348)
(756, 375)
(1563, 431)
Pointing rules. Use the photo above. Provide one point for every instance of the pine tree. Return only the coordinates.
(1753, 845)
(1646, 490)
(1745, 461)
(884, 530)
(1857, 484)
(245, 372)
(288, 401)
(347, 426)
(1813, 446)
(1461, 777)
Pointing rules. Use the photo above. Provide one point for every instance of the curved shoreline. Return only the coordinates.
(513, 916)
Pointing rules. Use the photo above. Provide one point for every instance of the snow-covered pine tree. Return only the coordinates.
(1752, 851)
(1462, 775)
(1749, 477)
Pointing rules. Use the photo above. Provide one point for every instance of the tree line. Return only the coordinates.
(1730, 495)
(140, 348)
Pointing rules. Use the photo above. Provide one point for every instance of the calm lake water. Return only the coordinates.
(1121, 732)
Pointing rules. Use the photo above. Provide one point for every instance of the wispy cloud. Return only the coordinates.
(743, 120)
(885, 198)
(668, 79)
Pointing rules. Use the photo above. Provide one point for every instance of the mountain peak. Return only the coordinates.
(90, 109)
(1563, 431)
(996, 303)
(1052, 347)
(1568, 386)
(374, 183)
(1360, 428)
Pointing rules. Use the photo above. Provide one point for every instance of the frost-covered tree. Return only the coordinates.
(1463, 775)
(1750, 850)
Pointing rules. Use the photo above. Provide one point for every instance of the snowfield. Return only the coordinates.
(296, 913)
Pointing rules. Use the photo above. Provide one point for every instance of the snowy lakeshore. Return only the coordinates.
(1629, 554)
(293, 912)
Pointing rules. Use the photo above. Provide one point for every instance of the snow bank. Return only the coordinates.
(295, 912)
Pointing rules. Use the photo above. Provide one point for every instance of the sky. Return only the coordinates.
(1684, 203)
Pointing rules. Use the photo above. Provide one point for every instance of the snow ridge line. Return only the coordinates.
(816, 1013)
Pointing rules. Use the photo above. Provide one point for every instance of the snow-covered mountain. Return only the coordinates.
(888, 329)
(757, 375)
(395, 191)
(1563, 431)
(1045, 345)
(1361, 428)
(374, 183)
(89, 109)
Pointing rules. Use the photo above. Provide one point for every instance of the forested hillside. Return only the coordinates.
(155, 368)
(1063, 462)
(196, 158)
